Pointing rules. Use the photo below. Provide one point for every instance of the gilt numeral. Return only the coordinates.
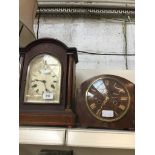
(115, 93)
(106, 82)
(93, 90)
(119, 89)
(124, 98)
(122, 107)
(93, 106)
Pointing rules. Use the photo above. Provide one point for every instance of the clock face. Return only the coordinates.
(107, 99)
(43, 80)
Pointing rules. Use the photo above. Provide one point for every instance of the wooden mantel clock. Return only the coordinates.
(106, 101)
(47, 81)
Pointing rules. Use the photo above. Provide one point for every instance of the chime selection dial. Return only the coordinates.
(107, 99)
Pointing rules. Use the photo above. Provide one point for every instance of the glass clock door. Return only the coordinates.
(43, 80)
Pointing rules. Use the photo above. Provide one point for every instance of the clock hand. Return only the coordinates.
(105, 101)
(112, 99)
(43, 81)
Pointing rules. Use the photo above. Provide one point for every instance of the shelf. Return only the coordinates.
(42, 135)
(96, 138)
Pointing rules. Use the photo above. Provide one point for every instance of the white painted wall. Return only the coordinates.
(98, 35)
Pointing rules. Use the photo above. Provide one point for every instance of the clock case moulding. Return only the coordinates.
(61, 114)
(87, 120)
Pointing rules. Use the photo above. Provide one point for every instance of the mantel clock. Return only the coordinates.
(47, 81)
(106, 101)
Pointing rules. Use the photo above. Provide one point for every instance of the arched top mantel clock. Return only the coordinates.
(47, 81)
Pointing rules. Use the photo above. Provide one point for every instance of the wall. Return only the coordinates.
(97, 35)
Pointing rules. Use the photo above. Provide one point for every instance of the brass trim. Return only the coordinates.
(103, 119)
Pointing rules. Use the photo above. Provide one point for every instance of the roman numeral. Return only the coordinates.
(122, 107)
(93, 106)
(115, 93)
(106, 82)
(124, 98)
(119, 89)
(92, 89)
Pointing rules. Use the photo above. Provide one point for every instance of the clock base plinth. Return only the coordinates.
(105, 127)
(40, 119)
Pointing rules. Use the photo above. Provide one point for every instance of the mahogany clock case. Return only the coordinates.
(86, 118)
(60, 114)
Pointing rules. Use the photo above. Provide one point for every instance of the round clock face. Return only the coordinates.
(43, 80)
(107, 99)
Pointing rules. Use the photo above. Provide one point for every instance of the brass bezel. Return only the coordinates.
(103, 119)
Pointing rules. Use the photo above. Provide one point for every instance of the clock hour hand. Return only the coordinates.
(44, 82)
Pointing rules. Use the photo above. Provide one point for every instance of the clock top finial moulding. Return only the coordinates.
(47, 81)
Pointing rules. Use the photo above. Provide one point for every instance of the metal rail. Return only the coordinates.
(87, 11)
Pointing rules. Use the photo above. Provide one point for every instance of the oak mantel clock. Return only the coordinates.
(47, 81)
(106, 101)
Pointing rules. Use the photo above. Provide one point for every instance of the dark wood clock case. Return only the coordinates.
(61, 114)
(86, 119)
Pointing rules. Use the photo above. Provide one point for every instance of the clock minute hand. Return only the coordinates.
(44, 81)
(105, 101)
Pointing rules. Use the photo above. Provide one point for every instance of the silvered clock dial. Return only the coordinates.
(43, 80)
